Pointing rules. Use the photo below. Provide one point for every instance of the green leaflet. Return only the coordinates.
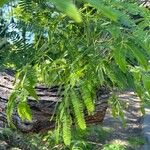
(120, 77)
(146, 99)
(86, 95)
(130, 80)
(66, 129)
(139, 55)
(31, 76)
(31, 91)
(105, 10)
(136, 73)
(142, 104)
(120, 59)
(117, 109)
(24, 111)
(126, 21)
(142, 40)
(100, 74)
(10, 106)
(76, 76)
(69, 8)
(122, 117)
(57, 131)
(78, 109)
(142, 108)
(110, 74)
(116, 76)
(115, 31)
(146, 80)
(45, 76)
(139, 89)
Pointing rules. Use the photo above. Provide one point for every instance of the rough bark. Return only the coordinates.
(44, 109)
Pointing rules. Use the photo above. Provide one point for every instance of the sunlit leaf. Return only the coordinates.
(110, 13)
(146, 80)
(66, 129)
(139, 55)
(24, 111)
(78, 110)
(10, 106)
(120, 58)
(69, 8)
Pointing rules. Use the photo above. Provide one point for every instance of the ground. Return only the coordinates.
(131, 136)
(110, 135)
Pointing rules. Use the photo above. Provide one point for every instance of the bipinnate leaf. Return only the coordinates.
(120, 58)
(87, 98)
(78, 110)
(10, 106)
(66, 129)
(105, 10)
(24, 111)
(139, 55)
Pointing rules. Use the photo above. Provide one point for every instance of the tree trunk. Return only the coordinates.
(44, 109)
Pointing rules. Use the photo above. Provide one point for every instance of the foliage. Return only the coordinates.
(46, 141)
(114, 147)
(117, 108)
(136, 142)
(109, 47)
(95, 137)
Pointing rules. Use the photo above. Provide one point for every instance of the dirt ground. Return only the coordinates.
(133, 116)
(110, 135)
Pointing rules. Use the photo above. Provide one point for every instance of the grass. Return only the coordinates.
(94, 132)
(113, 147)
(135, 142)
(92, 139)
(131, 143)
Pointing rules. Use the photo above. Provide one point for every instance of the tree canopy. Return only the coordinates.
(79, 46)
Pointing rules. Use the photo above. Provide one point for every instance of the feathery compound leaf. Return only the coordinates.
(69, 8)
(78, 109)
(117, 108)
(136, 74)
(142, 108)
(105, 10)
(110, 72)
(66, 129)
(10, 106)
(86, 96)
(119, 56)
(24, 111)
(31, 76)
(139, 55)
(139, 90)
(100, 75)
